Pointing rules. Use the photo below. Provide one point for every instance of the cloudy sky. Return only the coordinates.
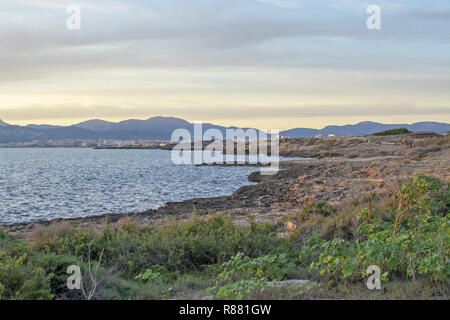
(260, 63)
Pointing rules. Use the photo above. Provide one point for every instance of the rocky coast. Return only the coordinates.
(339, 170)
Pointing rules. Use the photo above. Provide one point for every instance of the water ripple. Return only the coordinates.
(43, 184)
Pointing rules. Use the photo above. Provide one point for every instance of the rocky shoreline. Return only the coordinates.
(333, 180)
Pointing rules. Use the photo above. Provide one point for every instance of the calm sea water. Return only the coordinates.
(43, 184)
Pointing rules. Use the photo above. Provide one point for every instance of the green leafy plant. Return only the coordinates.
(242, 274)
(20, 280)
(156, 274)
(239, 289)
(320, 208)
(392, 132)
(413, 240)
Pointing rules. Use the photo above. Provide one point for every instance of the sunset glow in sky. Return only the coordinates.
(260, 63)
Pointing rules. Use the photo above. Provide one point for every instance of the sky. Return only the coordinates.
(270, 64)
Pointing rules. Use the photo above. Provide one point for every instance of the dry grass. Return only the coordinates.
(344, 290)
(339, 222)
(436, 141)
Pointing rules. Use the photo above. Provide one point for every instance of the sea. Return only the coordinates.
(48, 183)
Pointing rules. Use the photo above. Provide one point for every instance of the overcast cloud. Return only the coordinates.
(180, 54)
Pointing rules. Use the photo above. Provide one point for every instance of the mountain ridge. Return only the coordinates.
(365, 127)
(161, 128)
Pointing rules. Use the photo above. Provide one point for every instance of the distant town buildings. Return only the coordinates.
(50, 144)
(101, 143)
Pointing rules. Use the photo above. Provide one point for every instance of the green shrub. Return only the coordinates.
(242, 274)
(157, 274)
(238, 290)
(184, 246)
(20, 278)
(270, 267)
(57, 265)
(392, 132)
(320, 208)
(22, 281)
(414, 240)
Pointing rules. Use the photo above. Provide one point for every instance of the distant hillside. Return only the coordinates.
(363, 128)
(96, 125)
(161, 128)
(156, 128)
(155, 124)
(43, 126)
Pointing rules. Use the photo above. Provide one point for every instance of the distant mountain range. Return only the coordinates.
(161, 128)
(3, 124)
(156, 128)
(366, 127)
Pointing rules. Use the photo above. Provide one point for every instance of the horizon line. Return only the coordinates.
(209, 122)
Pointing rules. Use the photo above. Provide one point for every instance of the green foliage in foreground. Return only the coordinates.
(19, 277)
(156, 274)
(242, 275)
(320, 208)
(412, 239)
(392, 132)
(408, 238)
(137, 262)
(184, 247)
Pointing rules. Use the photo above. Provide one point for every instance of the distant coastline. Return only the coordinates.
(160, 129)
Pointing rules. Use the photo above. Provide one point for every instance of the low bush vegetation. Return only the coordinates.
(20, 278)
(392, 132)
(185, 246)
(242, 275)
(435, 141)
(134, 259)
(411, 239)
(406, 235)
